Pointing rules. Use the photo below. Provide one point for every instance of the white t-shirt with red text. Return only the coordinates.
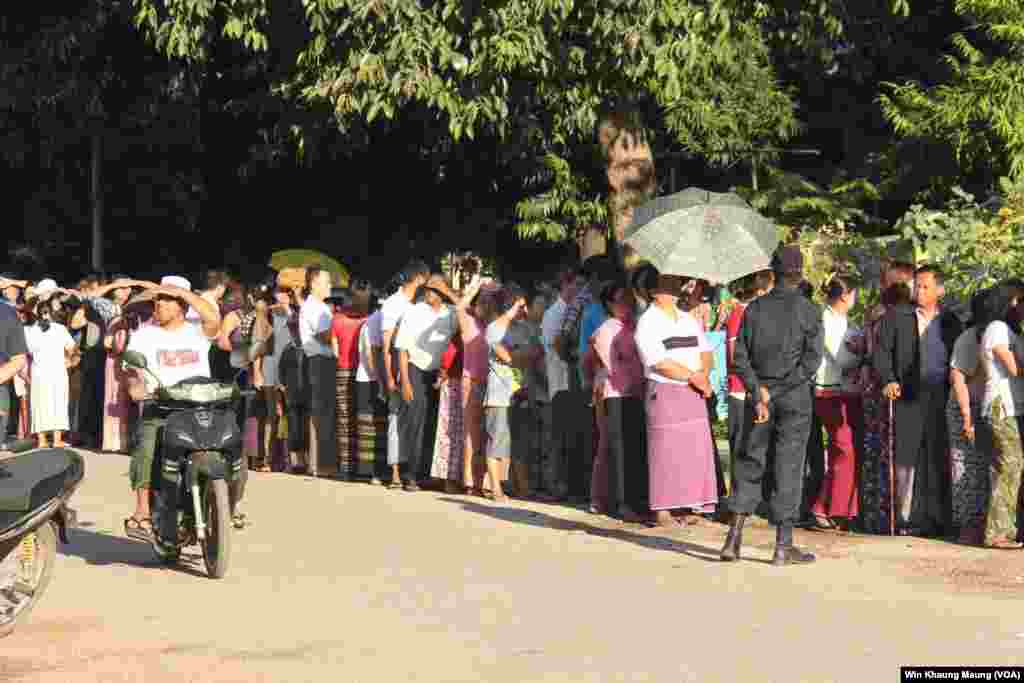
(172, 355)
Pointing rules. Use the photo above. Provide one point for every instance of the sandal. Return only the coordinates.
(394, 485)
(1004, 544)
(824, 523)
(133, 528)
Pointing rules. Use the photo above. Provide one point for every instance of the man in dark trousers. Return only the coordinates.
(777, 355)
(914, 346)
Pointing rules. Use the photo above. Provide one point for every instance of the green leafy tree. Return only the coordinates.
(513, 63)
(978, 109)
(976, 244)
(800, 204)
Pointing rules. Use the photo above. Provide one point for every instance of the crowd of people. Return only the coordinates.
(600, 387)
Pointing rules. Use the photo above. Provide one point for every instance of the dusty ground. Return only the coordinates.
(348, 582)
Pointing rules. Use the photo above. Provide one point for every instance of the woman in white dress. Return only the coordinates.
(53, 351)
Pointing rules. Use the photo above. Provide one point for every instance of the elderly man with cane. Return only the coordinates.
(776, 356)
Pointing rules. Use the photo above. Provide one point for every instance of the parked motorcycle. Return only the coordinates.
(34, 491)
(200, 463)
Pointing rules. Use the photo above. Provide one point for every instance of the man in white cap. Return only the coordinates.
(175, 349)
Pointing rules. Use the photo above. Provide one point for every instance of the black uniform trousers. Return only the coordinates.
(787, 430)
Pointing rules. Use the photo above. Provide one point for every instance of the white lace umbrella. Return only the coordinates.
(705, 235)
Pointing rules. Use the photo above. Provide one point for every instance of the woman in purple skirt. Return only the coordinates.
(677, 358)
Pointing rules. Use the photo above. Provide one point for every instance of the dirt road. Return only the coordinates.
(348, 582)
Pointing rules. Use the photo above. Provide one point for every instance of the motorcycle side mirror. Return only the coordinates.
(134, 360)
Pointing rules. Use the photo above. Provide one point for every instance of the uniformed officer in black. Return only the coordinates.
(777, 355)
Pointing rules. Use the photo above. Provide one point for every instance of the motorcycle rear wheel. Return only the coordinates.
(217, 517)
(33, 577)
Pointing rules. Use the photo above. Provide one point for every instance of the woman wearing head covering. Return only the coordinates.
(53, 351)
(676, 358)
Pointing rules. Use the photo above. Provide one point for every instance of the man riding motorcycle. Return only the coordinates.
(175, 348)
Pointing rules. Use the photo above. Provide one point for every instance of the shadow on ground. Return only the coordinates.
(540, 519)
(104, 550)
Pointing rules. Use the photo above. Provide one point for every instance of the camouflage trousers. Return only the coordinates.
(1000, 437)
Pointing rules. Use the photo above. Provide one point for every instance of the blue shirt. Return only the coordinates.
(594, 316)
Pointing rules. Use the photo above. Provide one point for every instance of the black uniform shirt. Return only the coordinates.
(780, 344)
(12, 334)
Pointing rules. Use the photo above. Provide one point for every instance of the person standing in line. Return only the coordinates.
(473, 312)
(509, 353)
(560, 453)
(777, 355)
(92, 319)
(1002, 363)
(119, 411)
(53, 351)
(423, 338)
(449, 441)
(874, 475)
(410, 279)
(969, 486)
(741, 414)
(621, 392)
(371, 409)
(315, 334)
(10, 290)
(676, 358)
(214, 288)
(539, 406)
(913, 360)
(349, 318)
(838, 406)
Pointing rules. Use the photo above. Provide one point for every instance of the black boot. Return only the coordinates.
(731, 549)
(785, 551)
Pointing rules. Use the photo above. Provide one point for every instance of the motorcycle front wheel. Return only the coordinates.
(217, 518)
(26, 566)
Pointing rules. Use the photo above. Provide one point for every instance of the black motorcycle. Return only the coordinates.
(34, 491)
(199, 458)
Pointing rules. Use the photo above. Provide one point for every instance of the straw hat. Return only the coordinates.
(41, 291)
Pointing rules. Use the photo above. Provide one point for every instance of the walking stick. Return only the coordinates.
(892, 469)
(858, 437)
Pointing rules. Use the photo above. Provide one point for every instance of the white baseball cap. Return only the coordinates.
(176, 281)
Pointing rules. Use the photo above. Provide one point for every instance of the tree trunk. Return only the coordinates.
(97, 201)
(630, 172)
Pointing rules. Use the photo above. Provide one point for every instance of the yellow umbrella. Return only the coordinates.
(304, 258)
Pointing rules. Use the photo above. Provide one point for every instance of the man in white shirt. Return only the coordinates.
(412, 277)
(175, 349)
(426, 330)
(556, 453)
(315, 318)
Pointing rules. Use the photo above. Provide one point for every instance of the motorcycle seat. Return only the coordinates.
(30, 480)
